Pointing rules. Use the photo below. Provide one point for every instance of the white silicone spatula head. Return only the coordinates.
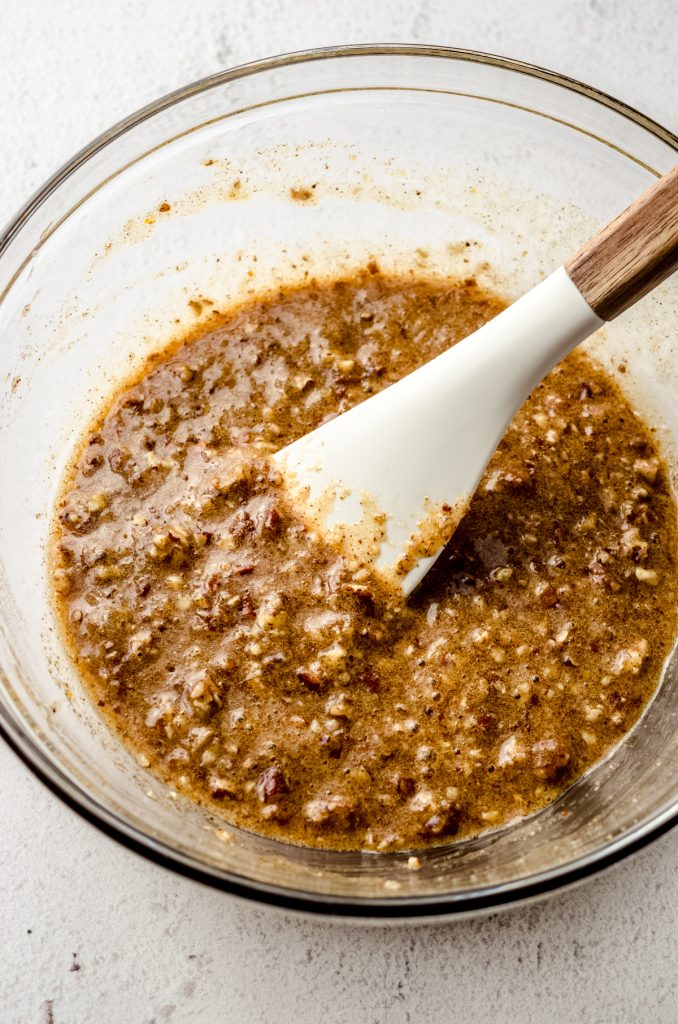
(392, 477)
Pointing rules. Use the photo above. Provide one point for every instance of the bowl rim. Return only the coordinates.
(404, 908)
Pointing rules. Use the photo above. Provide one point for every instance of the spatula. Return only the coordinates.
(392, 477)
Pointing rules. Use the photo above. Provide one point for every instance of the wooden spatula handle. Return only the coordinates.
(636, 251)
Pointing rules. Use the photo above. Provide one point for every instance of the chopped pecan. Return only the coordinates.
(271, 784)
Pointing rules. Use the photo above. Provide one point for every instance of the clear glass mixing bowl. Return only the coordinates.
(311, 163)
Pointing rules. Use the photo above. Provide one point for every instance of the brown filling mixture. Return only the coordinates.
(262, 674)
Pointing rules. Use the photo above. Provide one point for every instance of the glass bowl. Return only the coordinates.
(312, 163)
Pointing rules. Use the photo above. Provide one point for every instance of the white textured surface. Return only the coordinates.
(89, 931)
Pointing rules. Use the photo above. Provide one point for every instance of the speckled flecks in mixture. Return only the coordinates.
(254, 667)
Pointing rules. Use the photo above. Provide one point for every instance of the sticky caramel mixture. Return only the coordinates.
(262, 674)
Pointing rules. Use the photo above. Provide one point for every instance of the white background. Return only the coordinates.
(153, 948)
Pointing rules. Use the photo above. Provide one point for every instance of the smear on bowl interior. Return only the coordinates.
(290, 690)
